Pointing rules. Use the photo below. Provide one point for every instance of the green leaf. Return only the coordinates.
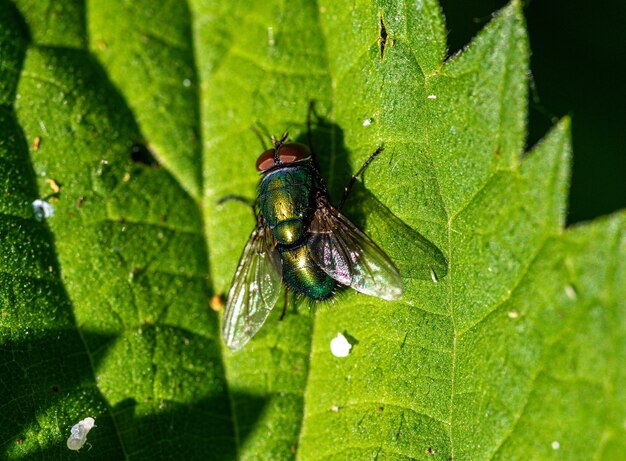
(131, 120)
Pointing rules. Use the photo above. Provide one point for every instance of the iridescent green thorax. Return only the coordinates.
(285, 201)
(304, 276)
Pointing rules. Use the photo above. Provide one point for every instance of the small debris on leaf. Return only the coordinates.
(79, 433)
(56, 188)
(42, 209)
(216, 303)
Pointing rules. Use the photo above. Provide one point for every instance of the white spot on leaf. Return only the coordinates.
(339, 346)
(570, 291)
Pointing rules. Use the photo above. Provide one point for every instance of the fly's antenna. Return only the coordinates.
(277, 145)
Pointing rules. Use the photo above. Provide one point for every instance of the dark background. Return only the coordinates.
(578, 68)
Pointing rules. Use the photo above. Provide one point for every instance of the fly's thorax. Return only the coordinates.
(285, 201)
(302, 275)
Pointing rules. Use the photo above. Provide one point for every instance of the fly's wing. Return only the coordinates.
(254, 291)
(349, 256)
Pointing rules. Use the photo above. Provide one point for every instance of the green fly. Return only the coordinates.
(302, 241)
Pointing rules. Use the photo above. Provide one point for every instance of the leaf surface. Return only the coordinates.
(131, 120)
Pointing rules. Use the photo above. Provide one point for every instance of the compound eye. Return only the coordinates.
(292, 152)
(265, 160)
(288, 153)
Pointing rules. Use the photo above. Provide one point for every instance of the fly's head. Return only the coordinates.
(283, 153)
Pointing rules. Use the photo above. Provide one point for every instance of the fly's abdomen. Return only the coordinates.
(303, 275)
(285, 202)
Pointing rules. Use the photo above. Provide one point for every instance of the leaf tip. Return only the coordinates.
(513, 12)
(515, 7)
(564, 125)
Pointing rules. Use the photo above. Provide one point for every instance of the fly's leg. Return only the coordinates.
(236, 198)
(350, 185)
(282, 315)
(240, 199)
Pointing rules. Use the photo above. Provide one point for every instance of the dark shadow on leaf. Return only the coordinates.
(249, 411)
(15, 38)
(45, 379)
(142, 155)
(170, 433)
(331, 154)
(50, 375)
(415, 256)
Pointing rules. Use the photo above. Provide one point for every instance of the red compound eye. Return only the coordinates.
(265, 160)
(288, 153)
(292, 152)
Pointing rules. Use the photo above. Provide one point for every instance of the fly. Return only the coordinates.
(302, 241)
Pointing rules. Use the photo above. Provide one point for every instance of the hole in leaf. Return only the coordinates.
(382, 35)
(139, 153)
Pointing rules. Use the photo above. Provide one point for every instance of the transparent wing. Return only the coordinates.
(254, 291)
(350, 257)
